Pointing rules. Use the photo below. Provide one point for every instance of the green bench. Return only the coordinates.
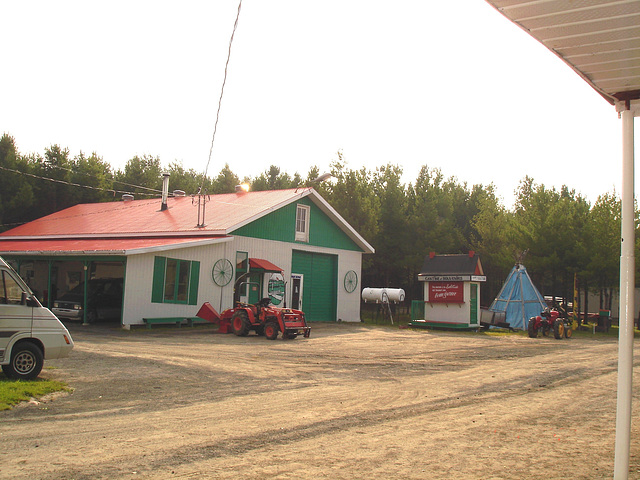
(178, 321)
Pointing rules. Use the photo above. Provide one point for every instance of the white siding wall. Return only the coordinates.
(349, 303)
(139, 278)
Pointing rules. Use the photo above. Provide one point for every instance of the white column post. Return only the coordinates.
(627, 311)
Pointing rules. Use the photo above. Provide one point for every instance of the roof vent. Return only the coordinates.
(243, 188)
(179, 193)
(127, 197)
(165, 190)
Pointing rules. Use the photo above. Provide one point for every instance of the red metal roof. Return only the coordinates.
(144, 217)
(265, 265)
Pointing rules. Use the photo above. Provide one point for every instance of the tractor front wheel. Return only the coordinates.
(567, 332)
(271, 330)
(533, 331)
(558, 329)
(545, 328)
(240, 323)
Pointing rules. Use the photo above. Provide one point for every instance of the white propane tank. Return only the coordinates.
(382, 295)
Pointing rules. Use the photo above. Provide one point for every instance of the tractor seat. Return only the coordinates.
(264, 302)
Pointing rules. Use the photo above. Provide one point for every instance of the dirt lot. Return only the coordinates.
(352, 401)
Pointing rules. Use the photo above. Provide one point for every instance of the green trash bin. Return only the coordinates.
(604, 321)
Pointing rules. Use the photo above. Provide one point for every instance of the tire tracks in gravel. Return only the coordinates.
(168, 458)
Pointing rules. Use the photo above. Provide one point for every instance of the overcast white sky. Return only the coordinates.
(452, 85)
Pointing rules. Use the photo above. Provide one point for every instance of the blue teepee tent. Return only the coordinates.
(518, 299)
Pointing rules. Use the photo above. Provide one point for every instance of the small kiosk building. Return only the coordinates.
(451, 292)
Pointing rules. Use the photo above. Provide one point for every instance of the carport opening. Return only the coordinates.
(60, 285)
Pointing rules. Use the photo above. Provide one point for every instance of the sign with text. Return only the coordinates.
(446, 292)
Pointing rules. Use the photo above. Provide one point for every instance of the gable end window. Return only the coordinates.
(302, 223)
(175, 281)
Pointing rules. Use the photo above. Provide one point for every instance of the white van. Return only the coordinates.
(29, 332)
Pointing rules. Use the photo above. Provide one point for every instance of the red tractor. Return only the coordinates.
(550, 319)
(262, 318)
(266, 320)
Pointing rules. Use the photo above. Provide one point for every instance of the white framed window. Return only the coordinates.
(302, 223)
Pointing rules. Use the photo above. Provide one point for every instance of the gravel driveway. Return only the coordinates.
(352, 401)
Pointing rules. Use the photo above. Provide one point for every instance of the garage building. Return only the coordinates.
(170, 255)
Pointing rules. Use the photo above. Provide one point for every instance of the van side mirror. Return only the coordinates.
(28, 300)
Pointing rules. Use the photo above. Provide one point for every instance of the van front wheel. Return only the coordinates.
(26, 362)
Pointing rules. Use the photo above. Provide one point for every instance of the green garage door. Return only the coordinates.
(319, 288)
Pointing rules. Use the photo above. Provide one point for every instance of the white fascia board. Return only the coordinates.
(133, 251)
(266, 211)
(189, 233)
(323, 205)
(341, 222)
(61, 253)
(176, 246)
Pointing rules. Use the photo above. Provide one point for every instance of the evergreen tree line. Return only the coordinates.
(556, 233)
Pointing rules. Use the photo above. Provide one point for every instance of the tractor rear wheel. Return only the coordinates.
(271, 330)
(533, 331)
(240, 323)
(558, 329)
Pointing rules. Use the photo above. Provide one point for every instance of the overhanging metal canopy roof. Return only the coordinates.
(266, 265)
(598, 39)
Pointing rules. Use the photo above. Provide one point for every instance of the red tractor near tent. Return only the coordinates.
(261, 317)
(550, 319)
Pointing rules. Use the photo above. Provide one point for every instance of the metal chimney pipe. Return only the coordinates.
(165, 190)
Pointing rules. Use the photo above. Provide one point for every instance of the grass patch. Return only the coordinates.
(13, 392)
(614, 332)
(373, 314)
(500, 332)
(585, 332)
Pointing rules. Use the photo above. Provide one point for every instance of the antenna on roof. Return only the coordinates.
(203, 198)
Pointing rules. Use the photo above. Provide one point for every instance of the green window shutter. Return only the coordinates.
(157, 289)
(193, 283)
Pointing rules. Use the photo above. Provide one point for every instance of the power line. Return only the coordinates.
(12, 224)
(224, 81)
(111, 179)
(64, 182)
